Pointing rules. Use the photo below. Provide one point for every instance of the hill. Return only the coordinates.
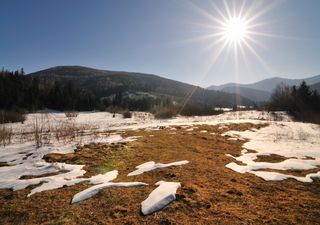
(261, 90)
(105, 83)
(316, 87)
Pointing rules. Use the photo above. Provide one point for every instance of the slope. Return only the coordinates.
(105, 83)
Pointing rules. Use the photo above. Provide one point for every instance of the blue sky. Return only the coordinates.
(158, 37)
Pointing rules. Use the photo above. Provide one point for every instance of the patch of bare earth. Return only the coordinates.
(272, 158)
(210, 193)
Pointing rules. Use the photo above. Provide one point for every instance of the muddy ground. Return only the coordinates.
(210, 193)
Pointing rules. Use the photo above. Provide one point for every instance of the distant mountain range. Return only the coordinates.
(105, 83)
(262, 90)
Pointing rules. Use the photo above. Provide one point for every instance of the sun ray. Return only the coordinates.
(241, 8)
(257, 33)
(218, 11)
(251, 10)
(226, 6)
(234, 29)
(257, 42)
(258, 57)
(265, 10)
(204, 12)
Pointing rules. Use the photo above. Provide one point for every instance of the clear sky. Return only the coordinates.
(163, 37)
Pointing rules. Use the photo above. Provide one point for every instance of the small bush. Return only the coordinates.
(37, 130)
(71, 114)
(164, 112)
(12, 116)
(5, 135)
(127, 114)
(42, 129)
(199, 110)
(307, 116)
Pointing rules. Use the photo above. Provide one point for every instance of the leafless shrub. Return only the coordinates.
(276, 116)
(12, 116)
(37, 133)
(42, 130)
(127, 114)
(302, 135)
(164, 112)
(66, 131)
(71, 114)
(5, 135)
(277, 137)
(71, 131)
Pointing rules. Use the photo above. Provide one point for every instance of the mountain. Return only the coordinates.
(261, 91)
(250, 93)
(104, 83)
(316, 87)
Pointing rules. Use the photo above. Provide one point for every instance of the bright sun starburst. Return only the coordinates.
(234, 26)
(235, 30)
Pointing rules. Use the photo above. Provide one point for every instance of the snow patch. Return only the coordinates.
(103, 178)
(92, 191)
(160, 197)
(148, 166)
(299, 142)
(25, 160)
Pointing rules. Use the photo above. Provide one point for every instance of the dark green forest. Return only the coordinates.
(299, 101)
(18, 91)
(82, 89)
(85, 89)
(22, 92)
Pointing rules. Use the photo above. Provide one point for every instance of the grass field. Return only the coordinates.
(210, 193)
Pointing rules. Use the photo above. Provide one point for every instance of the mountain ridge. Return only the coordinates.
(106, 82)
(263, 88)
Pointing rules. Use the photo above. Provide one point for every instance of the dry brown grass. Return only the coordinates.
(273, 158)
(210, 193)
(5, 134)
(43, 132)
(71, 114)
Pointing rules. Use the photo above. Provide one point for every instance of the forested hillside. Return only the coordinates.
(132, 87)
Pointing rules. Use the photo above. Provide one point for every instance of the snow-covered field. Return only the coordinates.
(299, 142)
(104, 121)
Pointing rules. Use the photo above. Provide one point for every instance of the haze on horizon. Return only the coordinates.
(173, 39)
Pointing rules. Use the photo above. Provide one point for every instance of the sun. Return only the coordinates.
(235, 30)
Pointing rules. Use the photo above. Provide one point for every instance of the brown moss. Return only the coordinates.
(272, 158)
(298, 173)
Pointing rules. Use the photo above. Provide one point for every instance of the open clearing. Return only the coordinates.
(210, 192)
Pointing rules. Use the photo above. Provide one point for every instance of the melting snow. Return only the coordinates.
(299, 142)
(89, 192)
(26, 160)
(160, 197)
(103, 178)
(148, 166)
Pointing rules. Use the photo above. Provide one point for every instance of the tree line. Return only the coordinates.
(20, 91)
(26, 92)
(299, 101)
